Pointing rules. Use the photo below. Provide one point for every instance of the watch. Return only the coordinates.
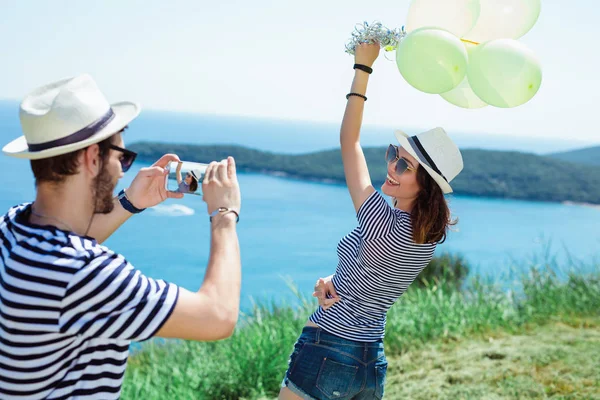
(127, 204)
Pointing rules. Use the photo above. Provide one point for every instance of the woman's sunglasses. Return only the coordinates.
(392, 155)
(126, 159)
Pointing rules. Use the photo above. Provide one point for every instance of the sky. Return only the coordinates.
(285, 60)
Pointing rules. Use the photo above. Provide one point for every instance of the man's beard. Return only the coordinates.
(103, 188)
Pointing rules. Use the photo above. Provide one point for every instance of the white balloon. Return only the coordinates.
(504, 19)
(456, 16)
(463, 96)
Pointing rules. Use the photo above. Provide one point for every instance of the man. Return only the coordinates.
(69, 306)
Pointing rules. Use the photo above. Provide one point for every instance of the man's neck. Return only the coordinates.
(68, 207)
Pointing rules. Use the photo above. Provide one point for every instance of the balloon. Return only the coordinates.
(504, 73)
(463, 96)
(456, 16)
(432, 60)
(504, 19)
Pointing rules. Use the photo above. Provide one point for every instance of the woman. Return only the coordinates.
(339, 354)
(190, 183)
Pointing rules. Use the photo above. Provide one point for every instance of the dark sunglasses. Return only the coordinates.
(392, 155)
(126, 159)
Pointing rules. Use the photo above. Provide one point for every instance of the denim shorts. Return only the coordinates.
(325, 366)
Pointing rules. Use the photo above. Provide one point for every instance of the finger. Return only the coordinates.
(231, 169)
(318, 283)
(164, 160)
(221, 172)
(210, 172)
(174, 195)
(331, 290)
(153, 171)
(328, 303)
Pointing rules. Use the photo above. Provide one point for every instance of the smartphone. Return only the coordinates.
(185, 177)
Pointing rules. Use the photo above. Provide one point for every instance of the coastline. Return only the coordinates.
(286, 175)
(574, 203)
(484, 179)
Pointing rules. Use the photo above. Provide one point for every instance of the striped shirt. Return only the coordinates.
(69, 309)
(378, 260)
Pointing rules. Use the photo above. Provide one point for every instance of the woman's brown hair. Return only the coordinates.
(193, 185)
(431, 216)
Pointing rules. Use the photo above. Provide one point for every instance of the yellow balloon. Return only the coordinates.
(504, 19)
(432, 60)
(504, 73)
(456, 16)
(463, 96)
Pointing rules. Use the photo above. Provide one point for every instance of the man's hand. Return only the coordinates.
(220, 186)
(325, 292)
(148, 187)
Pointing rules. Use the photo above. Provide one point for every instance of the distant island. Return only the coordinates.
(588, 155)
(499, 174)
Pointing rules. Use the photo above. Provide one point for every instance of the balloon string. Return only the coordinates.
(469, 41)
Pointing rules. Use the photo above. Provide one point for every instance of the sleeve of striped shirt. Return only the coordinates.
(375, 217)
(109, 298)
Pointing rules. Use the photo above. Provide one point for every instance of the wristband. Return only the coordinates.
(224, 210)
(127, 204)
(362, 67)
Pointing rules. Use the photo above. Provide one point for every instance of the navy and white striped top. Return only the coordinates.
(378, 260)
(69, 308)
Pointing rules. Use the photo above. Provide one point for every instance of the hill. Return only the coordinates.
(589, 155)
(487, 173)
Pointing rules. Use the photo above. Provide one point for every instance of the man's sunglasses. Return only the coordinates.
(392, 155)
(126, 159)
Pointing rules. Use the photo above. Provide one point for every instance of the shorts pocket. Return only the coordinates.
(335, 379)
(380, 373)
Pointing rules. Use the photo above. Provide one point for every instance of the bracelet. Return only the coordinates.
(357, 95)
(362, 67)
(127, 204)
(224, 210)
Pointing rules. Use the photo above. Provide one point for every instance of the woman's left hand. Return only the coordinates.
(366, 54)
(148, 188)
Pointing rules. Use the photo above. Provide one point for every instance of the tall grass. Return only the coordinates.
(252, 362)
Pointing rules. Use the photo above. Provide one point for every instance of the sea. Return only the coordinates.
(289, 228)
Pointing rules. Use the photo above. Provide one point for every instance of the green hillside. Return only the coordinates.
(589, 155)
(487, 173)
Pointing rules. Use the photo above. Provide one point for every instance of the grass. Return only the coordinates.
(555, 361)
(437, 339)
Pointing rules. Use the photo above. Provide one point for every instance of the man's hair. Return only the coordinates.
(57, 169)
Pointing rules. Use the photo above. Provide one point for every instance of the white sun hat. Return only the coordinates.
(66, 116)
(436, 152)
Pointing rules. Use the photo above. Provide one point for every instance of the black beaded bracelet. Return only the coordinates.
(357, 95)
(362, 67)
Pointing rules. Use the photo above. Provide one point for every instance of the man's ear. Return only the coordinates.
(91, 160)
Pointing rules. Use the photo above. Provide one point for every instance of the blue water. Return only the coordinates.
(290, 229)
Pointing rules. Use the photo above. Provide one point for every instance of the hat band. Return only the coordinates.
(78, 136)
(423, 155)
